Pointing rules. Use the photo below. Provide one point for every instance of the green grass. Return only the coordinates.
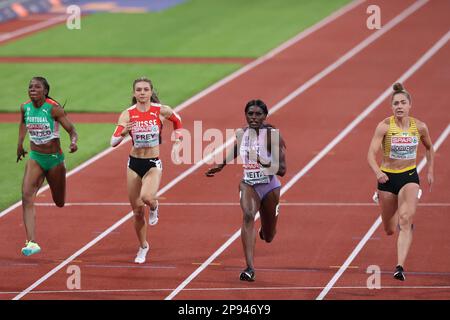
(92, 137)
(106, 87)
(197, 28)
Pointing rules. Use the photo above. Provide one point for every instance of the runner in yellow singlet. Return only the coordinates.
(398, 181)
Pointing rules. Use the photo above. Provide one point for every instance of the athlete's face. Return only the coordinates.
(400, 105)
(255, 117)
(36, 90)
(142, 92)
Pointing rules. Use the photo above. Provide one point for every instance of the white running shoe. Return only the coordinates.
(142, 254)
(153, 218)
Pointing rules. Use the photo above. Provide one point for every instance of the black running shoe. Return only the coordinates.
(399, 273)
(247, 275)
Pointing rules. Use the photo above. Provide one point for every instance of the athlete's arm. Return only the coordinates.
(22, 133)
(281, 156)
(123, 127)
(60, 115)
(374, 147)
(429, 153)
(277, 163)
(175, 118)
(230, 156)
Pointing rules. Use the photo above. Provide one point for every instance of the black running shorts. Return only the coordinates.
(398, 180)
(142, 166)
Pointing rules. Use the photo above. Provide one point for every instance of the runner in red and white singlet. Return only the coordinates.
(142, 121)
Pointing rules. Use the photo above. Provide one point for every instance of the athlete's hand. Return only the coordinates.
(127, 128)
(176, 152)
(382, 177)
(265, 164)
(20, 153)
(212, 171)
(73, 147)
(430, 178)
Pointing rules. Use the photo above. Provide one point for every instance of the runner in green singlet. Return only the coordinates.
(41, 117)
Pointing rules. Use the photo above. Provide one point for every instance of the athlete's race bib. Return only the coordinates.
(146, 136)
(40, 133)
(404, 147)
(254, 174)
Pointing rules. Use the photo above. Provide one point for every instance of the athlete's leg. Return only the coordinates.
(32, 181)
(134, 185)
(150, 186)
(268, 212)
(56, 178)
(407, 199)
(389, 205)
(250, 204)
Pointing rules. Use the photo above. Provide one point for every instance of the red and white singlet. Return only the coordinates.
(146, 129)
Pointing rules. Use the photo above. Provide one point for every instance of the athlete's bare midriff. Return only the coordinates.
(395, 164)
(53, 146)
(145, 153)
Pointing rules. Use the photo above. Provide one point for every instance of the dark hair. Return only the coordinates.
(153, 98)
(258, 103)
(398, 88)
(47, 87)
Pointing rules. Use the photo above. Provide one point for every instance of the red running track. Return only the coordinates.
(19, 28)
(310, 241)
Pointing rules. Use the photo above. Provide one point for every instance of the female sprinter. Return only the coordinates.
(143, 123)
(398, 181)
(263, 153)
(41, 117)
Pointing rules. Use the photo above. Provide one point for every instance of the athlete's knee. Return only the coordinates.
(139, 213)
(60, 203)
(269, 236)
(148, 199)
(249, 217)
(405, 222)
(59, 200)
(389, 231)
(28, 197)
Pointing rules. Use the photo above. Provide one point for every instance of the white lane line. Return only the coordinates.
(74, 256)
(296, 288)
(279, 105)
(358, 48)
(35, 27)
(215, 204)
(216, 86)
(318, 157)
(173, 182)
(275, 51)
(72, 172)
(372, 229)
